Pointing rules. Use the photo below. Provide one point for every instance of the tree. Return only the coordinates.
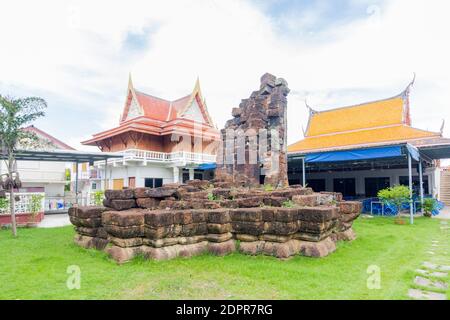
(14, 115)
(396, 195)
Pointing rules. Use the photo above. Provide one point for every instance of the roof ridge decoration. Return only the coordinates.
(128, 101)
(196, 92)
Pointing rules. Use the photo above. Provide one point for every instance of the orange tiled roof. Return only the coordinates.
(372, 123)
(374, 136)
(369, 115)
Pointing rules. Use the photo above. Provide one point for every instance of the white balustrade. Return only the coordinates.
(161, 157)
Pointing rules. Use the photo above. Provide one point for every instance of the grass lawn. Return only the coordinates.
(34, 265)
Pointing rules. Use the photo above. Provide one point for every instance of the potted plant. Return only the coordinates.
(428, 206)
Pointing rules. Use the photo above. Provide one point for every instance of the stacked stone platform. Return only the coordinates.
(197, 217)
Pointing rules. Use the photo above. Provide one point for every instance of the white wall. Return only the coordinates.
(140, 173)
(48, 175)
(41, 171)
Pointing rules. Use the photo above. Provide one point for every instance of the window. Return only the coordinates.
(416, 189)
(345, 186)
(373, 185)
(317, 185)
(153, 182)
(94, 186)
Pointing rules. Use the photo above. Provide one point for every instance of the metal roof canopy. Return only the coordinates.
(427, 153)
(435, 151)
(62, 156)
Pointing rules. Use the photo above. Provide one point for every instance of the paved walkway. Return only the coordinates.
(55, 220)
(432, 277)
(444, 214)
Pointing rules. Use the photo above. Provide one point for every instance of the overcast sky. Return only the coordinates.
(77, 55)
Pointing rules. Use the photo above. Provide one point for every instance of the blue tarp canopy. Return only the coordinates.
(356, 154)
(207, 166)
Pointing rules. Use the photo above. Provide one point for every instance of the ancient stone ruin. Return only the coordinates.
(253, 149)
(232, 212)
(197, 217)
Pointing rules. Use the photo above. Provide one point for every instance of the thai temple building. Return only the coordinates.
(361, 149)
(161, 142)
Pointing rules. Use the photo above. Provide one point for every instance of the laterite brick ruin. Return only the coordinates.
(227, 214)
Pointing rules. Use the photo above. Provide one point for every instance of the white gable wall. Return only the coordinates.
(135, 110)
(194, 112)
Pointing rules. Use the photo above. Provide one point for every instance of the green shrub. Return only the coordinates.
(212, 197)
(4, 205)
(36, 203)
(288, 204)
(395, 195)
(428, 206)
(98, 197)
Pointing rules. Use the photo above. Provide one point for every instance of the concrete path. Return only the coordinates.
(444, 214)
(432, 278)
(55, 220)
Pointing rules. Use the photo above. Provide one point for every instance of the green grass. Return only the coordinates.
(33, 266)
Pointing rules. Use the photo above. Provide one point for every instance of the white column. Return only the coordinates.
(191, 174)
(411, 203)
(176, 175)
(421, 185)
(303, 173)
(105, 180)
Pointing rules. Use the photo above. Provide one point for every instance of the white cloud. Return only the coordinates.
(75, 50)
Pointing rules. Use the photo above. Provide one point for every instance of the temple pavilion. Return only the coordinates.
(360, 149)
(161, 141)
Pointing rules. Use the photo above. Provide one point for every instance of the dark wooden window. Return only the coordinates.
(153, 182)
(416, 189)
(373, 185)
(317, 185)
(345, 186)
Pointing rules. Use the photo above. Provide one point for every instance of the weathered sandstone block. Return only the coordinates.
(318, 214)
(306, 200)
(219, 237)
(219, 228)
(118, 204)
(134, 217)
(88, 222)
(148, 203)
(317, 249)
(90, 242)
(124, 232)
(124, 194)
(246, 214)
(87, 212)
(222, 248)
(126, 243)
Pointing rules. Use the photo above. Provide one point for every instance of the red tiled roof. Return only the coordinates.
(159, 116)
(154, 108)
